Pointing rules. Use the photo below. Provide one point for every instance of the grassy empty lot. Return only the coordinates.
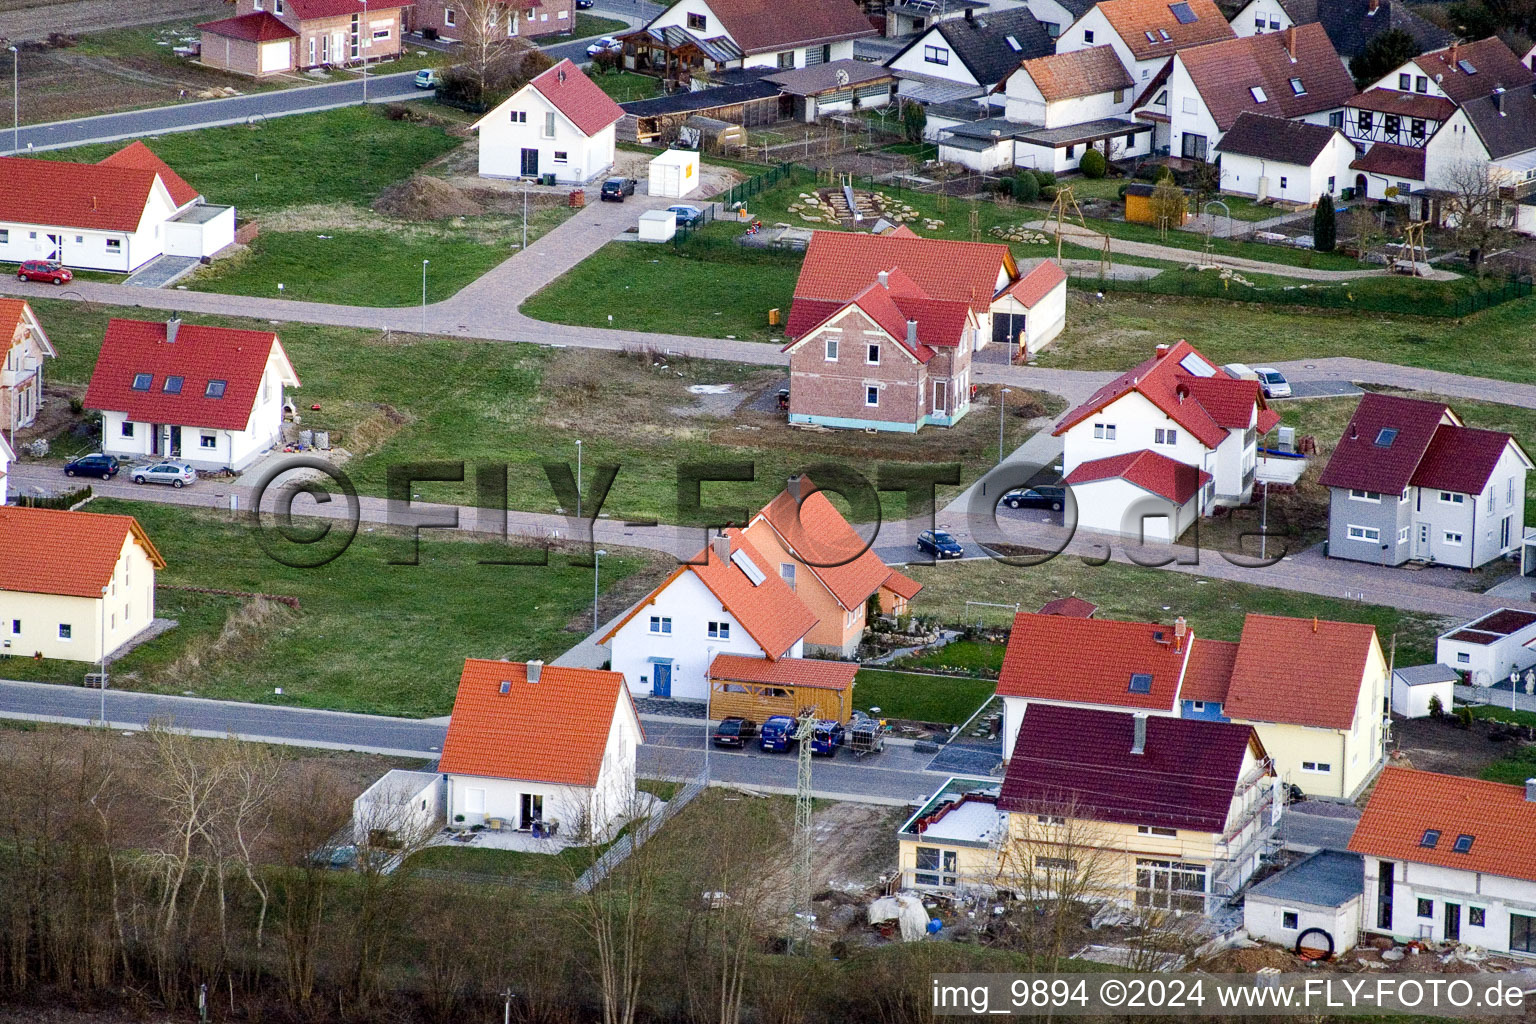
(922, 698)
(369, 636)
(624, 86)
(963, 657)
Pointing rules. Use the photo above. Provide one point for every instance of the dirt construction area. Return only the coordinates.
(28, 20)
(461, 168)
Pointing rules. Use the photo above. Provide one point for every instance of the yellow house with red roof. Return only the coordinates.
(73, 585)
(21, 379)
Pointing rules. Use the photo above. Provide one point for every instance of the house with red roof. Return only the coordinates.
(542, 749)
(21, 379)
(117, 215)
(208, 396)
(831, 568)
(1162, 444)
(728, 599)
(73, 585)
(1449, 859)
(1145, 33)
(1322, 719)
(518, 19)
(560, 123)
(1409, 481)
(715, 35)
(267, 37)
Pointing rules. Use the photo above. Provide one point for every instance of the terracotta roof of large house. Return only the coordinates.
(1352, 24)
(58, 193)
(769, 611)
(1400, 163)
(1276, 139)
(1086, 72)
(1404, 104)
(1393, 442)
(1469, 70)
(937, 323)
(1406, 805)
(16, 314)
(1037, 283)
(73, 554)
(1227, 73)
(554, 730)
(1078, 762)
(761, 25)
(577, 97)
(136, 154)
(1151, 471)
(1209, 672)
(1152, 28)
(812, 672)
(1299, 671)
(840, 264)
(1205, 401)
(815, 532)
(1093, 661)
(255, 27)
(132, 349)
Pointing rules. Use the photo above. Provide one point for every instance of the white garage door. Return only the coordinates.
(274, 57)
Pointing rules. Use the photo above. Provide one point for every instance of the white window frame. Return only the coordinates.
(448, 16)
(66, 632)
(872, 391)
(1463, 658)
(1366, 533)
(872, 354)
(1103, 431)
(1165, 436)
(1356, 494)
(208, 441)
(562, 156)
(1402, 535)
(1157, 830)
(549, 125)
(661, 625)
(1452, 498)
(1452, 537)
(1317, 767)
(1291, 916)
(830, 352)
(127, 428)
(719, 630)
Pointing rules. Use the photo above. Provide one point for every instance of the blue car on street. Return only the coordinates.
(939, 544)
(826, 737)
(778, 733)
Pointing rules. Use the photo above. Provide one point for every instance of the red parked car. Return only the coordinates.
(44, 270)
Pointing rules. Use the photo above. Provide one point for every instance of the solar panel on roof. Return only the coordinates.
(1197, 366)
(1466, 67)
(1141, 682)
(1014, 44)
(1184, 13)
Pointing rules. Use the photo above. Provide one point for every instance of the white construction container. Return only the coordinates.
(657, 225)
(675, 173)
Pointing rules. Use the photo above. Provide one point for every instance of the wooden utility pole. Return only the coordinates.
(1059, 206)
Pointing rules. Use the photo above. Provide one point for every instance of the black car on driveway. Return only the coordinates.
(939, 544)
(1053, 498)
(96, 464)
(735, 732)
(615, 189)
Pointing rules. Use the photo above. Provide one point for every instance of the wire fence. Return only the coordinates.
(758, 183)
(637, 835)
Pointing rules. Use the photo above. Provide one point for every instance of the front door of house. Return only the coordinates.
(939, 389)
(1421, 541)
(1194, 146)
(1504, 533)
(1453, 922)
(154, 440)
(532, 810)
(173, 449)
(661, 679)
(530, 163)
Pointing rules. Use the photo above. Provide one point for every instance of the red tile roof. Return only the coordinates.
(1205, 405)
(1086, 72)
(1400, 163)
(1495, 65)
(902, 585)
(74, 554)
(577, 97)
(840, 264)
(817, 674)
(57, 193)
(308, 10)
(770, 612)
(1149, 470)
(255, 27)
(1361, 462)
(1037, 284)
(554, 730)
(1406, 803)
(140, 156)
(762, 25)
(16, 315)
(1403, 104)
(1078, 762)
(1460, 459)
(815, 531)
(1072, 607)
(1133, 19)
(199, 354)
(1224, 73)
(1300, 671)
(1091, 661)
(1209, 672)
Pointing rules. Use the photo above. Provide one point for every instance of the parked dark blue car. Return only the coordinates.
(939, 544)
(778, 733)
(826, 737)
(104, 466)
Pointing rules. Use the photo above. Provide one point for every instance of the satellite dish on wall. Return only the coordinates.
(842, 76)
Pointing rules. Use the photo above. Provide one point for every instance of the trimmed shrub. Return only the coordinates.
(1026, 188)
(1325, 231)
(1093, 164)
(1045, 178)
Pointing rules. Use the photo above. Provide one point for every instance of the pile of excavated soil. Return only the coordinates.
(423, 198)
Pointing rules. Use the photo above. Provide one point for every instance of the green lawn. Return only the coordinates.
(293, 161)
(1109, 189)
(963, 657)
(550, 868)
(1513, 768)
(624, 86)
(1493, 713)
(369, 636)
(592, 25)
(922, 698)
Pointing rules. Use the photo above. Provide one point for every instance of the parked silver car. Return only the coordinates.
(177, 474)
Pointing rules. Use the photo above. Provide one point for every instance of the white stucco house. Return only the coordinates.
(1173, 436)
(977, 50)
(402, 808)
(560, 123)
(1449, 859)
(1033, 310)
(1145, 33)
(716, 35)
(729, 599)
(115, 215)
(208, 396)
(1317, 897)
(1272, 158)
(1489, 648)
(541, 748)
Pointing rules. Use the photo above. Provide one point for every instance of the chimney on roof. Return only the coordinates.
(1455, 49)
(1354, 431)
(535, 669)
(1180, 628)
(970, 14)
(884, 277)
(1290, 43)
(1139, 743)
(1498, 100)
(911, 332)
(1371, 8)
(93, 202)
(171, 327)
(1314, 623)
(794, 486)
(722, 546)
(1530, 791)
(1161, 351)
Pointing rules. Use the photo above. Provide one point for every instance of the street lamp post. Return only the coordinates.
(1002, 402)
(424, 295)
(578, 481)
(363, 39)
(1514, 687)
(596, 561)
(103, 680)
(15, 100)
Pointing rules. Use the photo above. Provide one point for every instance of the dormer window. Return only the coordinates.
(1386, 436)
(172, 385)
(1257, 93)
(1297, 87)
(1164, 33)
(142, 381)
(1141, 682)
(215, 389)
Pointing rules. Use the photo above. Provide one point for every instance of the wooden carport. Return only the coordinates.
(757, 688)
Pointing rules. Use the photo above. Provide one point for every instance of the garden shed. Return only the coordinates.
(674, 173)
(1416, 686)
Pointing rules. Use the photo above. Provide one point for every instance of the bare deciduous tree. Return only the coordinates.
(1475, 209)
